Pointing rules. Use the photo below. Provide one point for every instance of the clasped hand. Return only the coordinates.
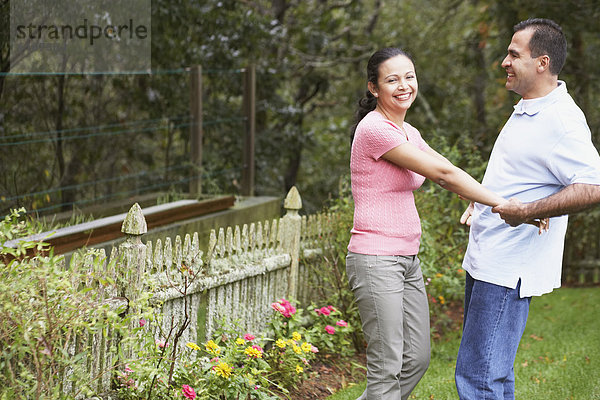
(513, 213)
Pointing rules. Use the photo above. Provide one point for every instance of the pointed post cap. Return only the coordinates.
(134, 223)
(292, 200)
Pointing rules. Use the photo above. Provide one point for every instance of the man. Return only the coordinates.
(545, 162)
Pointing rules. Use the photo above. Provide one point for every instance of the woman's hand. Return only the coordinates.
(467, 215)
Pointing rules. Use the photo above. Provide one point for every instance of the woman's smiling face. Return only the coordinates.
(396, 87)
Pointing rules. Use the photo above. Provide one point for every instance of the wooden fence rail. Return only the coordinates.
(244, 270)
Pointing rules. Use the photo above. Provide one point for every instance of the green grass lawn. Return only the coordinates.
(558, 358)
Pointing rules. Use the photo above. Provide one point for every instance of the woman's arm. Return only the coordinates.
(437, 168)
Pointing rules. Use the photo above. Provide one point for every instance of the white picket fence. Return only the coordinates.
(244, 270)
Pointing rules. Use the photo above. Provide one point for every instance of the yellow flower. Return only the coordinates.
(223, 369)
(299, 369)
(438, 275)
(296, 336)
(442, 300)
(297, 349)
(280, 343)
(306, 347)
(291, 342)
(253, 352)
(240, 341)
(193, 346)
(212, 347)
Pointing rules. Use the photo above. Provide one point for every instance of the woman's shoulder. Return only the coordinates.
(375, 122)
(372, 117)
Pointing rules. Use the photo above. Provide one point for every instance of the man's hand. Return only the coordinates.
(514, 213)
(467, 215)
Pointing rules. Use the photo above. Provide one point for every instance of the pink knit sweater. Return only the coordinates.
(386, 221)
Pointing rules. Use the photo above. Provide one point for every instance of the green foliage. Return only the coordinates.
(290, 352)
(43, 308)
(330, 332)
(231, 365)
(444, 240)
(310, 58)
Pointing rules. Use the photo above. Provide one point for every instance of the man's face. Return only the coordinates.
(520, 67)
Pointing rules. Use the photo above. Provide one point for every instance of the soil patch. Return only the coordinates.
(328, 375)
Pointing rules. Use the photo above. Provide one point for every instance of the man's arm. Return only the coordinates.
(573, 198)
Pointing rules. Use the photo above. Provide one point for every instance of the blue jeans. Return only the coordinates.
(391, 299)
(494, 321)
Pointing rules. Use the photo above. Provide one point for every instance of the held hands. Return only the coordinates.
(513, 212)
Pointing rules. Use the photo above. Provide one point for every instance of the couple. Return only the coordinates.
(543, 165)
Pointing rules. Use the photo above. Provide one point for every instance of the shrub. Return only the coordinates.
(231, 365)
(330, 332)
(43, 309)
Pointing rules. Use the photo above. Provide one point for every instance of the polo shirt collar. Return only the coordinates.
(534, 106)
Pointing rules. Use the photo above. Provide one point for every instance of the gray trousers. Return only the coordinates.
(392, 303)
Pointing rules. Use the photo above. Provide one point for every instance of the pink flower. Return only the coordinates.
(330, 329)
(162, 344)
(127, 369)
(331, 308)
(188, 392)
(341, 322)
(249, 337)
(284, 307)
(278, 307)
(325, 311)
(314, 349)
(142, 322)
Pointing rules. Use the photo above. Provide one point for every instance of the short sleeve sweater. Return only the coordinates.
(386, 221)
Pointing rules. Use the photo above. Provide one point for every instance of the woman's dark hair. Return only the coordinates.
(369, 102)
(547, 39)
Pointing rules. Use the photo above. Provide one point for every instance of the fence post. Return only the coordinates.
(250, 127)
(133, 252)
(292, 224)
(196, 130)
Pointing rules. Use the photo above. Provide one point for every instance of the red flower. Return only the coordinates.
(249, 337)
(341, 322)
(330, 329)
(188, 392)
(325, 311)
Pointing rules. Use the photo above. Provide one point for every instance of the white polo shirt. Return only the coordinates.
(544, 146)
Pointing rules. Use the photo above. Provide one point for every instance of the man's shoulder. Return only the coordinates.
(563, 114)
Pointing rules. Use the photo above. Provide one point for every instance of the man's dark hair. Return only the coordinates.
(548, 39)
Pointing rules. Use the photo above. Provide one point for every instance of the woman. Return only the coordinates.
(390, 160)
